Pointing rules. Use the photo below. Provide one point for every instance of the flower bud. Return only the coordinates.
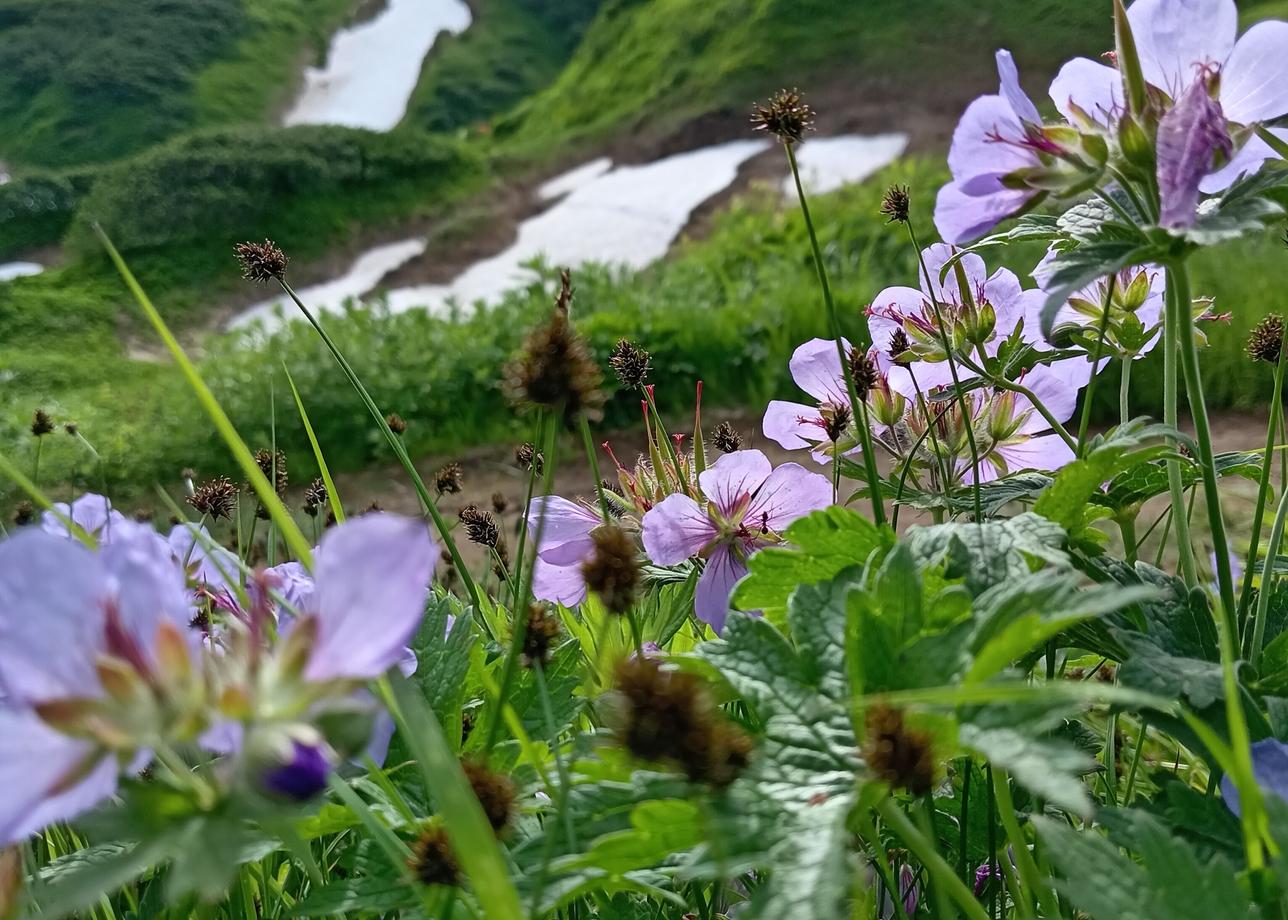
(290, 768)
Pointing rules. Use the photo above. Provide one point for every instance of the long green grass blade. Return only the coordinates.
(331, 495)
(259, 482)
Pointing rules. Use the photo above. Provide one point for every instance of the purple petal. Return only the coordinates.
(943, 284)
(962, 217)
(816, 368)
(1254, 81)
(1189, 135)
(1090, 89)
(295, 586)
(711, 600)
(980, 147)
(1045, 452)
(216, 567)
(148, 587)
(558, 584)
(92, 513)
(1269, 769)
(677, 528)
(302, 774)
(565, 533)
(52, 596)
(887, 311)
(731, 478)
(1246, 162)
(1175, 37)
(1057, 386)
(1011, 90)
(372, 576)
(790, 492)
(792, 425)
(35, 761)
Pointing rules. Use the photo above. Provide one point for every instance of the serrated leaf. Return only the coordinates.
(989, 553)
(1046, 767)
(1094, 875)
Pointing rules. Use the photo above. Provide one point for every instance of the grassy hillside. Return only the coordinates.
(88, 81)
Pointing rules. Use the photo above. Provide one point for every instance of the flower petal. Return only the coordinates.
(816, 368)
(34, 761)
(564, 527)
(92, 513)
(558, 584)
(147, 586)
(52, 595)
(792, 425)
(1247, 161)
(979, 146)
(1174, 37)
(711, 600)
(677, 528)
(1045, 452)
(1269, 769)
(1011, 90)
(961, 217)
(372, 578)
(732, 477)
(1254, 81)
(1189, 136)
(790, 492)
(1084, 87)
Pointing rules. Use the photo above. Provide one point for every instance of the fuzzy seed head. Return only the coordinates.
(527, 457)
(836, 423)
(273, 465)
(24, 513)
(900, 345)
(495, 791)
(895, 204)
(480, 528)
(432, 860)
(1266, 340)
(539, 637)
(863, 370)
(448, 480)
(726, 438)
(41, 423)
(72, 429)
(397, 424)
(556, 371)
(216, 498)
(613, 569)
(786, 116)
(315, 497)
(898, 754)
(630, 363)
(261, 261)
(500, 504)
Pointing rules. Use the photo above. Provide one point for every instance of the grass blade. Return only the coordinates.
(332, 496)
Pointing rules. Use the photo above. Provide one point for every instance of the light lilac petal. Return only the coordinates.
(792, 425)
(1090, 86)
(296, 587)
(565, 533)
(677, 528)
(558, 584)
(91, 512)
(711, 600)
(963, 218)
(1057, 386)
(1011, 90)
(733, 476)
(208, 562)
(943, 280)
(1254, 82)
(148, 586)
(976, 149)
(1045, 452)
(34, 760)
(1189, 136)
(790, 492)
(1247, 161)
(372, 577)
(886, 313)
(816, 368)
(52, 594)
(1173, 37)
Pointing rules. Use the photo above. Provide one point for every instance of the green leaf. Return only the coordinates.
(659, 829)
(365, 894)
(990, 553)
(812, 873)
(1047, 767)
(1094, 875)
(1143, 481)
(78, 880)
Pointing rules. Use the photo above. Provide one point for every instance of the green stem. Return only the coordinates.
(1085, 421)
(1032, 881)
(1135, 762)
(1263, 486)
(1175, 484)
(594, 469)
(1127, 525)
(1267, 580)
(924, 850)
(963, 866)
(517, 582)
(666, 439)
(926, 823)
(858, 408)
(1124, 393)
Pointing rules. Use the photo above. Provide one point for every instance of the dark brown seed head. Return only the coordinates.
(24, 513)
(670, 717)
(836, 423)
(540, 635)
(613, 570)
(396, 423)
(261, 261)
(273, 465)
(480, 528)
(786, 116)
(899, 347)
(900, 755)
(630, 363)
(72, 429)
(495, 792)
(448, 480)
(315, 497)
(895, 204)
(500, 504)
(216, 498)
(863, 370)
(556, 371)
(41, 423)
(527, 457)
(726, 438)
(1267, 338)
(432, 860)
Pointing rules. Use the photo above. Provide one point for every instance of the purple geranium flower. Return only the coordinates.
(998, 136)
(92, 513)
(1139, 290)
(747, 505)
(1190, 137)
(1269, 769)
(816, 368)
(66, 613)
(564, 528)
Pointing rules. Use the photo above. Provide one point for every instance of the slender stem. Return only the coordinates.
(1263, 486)
(666, 439)
(880, 859)
(924, 850)
(926, 822)
(1267, 580)
(858, 408)
(594, 469)
(1175, 484)
(1085, 421)
(1127, 525)
(1135, 762)
(1019, 845)
(963, 865)
(1124, 393)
